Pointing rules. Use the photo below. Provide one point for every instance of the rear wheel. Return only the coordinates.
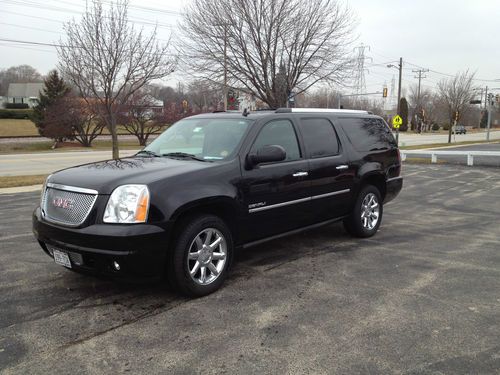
(366, 216)
(201, 256)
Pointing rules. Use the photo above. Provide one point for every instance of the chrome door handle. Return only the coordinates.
(300, 174)
(342, 167)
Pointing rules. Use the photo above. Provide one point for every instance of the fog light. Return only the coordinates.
(116, 265)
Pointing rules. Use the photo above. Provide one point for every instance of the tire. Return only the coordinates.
(358, 224)
(195, 268)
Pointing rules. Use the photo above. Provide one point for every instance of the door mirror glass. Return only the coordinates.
(267, 154)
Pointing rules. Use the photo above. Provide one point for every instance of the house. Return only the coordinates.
(25, 93)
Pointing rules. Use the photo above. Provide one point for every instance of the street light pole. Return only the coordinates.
(400, 67)
(399, 84)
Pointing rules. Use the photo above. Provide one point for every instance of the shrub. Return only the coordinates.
(16, 105)
(435, 127)
(17, 114)
(446, 126)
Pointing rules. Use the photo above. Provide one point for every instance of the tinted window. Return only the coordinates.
(319, 137)
(367, 134)
(279, 132)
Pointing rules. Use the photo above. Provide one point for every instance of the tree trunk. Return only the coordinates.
(114, 137)
(449, 132)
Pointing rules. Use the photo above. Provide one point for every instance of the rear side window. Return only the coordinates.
(367, 134)
(319, 137)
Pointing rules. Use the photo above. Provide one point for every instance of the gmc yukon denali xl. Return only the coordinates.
(215, 182)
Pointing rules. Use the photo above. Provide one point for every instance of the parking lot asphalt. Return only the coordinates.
(421, 297)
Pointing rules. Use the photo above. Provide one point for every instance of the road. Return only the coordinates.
(421, 297)
(489, 161)
(48, 162)
(412, 139)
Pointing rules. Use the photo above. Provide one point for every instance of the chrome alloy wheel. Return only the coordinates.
(207, 256)
(370, 211)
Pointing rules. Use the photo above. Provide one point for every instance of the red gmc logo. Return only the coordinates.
(65, 203)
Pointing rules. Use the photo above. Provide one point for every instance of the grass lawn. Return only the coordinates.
(27, 147)
(14, 181)
(19, 128)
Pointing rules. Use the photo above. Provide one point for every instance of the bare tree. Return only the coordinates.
(269, 47)
(107, 60)
(142, 117)
(456, 92)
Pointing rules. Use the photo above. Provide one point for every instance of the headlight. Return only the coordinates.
(128, 204)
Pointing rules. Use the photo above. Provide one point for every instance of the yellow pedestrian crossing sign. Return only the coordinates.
(397, 121)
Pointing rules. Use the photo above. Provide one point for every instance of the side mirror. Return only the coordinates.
(266, 154)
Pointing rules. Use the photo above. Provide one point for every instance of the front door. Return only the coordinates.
(276, 194)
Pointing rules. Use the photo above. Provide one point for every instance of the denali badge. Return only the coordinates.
(65, 203)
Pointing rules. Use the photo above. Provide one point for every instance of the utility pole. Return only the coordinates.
(420, 77)
(419, 105)
(489, 107)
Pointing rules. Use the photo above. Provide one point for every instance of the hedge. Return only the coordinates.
(16, 105)
(18, 114)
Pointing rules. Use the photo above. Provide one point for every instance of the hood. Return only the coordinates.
(106, 175)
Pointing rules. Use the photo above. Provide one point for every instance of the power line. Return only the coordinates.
(30, 28)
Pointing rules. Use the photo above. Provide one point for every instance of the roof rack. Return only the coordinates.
(324, 110)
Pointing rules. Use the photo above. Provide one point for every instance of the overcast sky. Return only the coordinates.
(444, 36)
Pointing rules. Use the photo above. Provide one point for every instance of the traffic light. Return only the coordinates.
(490, 99)
(384, 92)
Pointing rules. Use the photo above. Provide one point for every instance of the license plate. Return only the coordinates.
(62, 258)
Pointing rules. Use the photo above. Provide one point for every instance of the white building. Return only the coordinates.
(27, 93)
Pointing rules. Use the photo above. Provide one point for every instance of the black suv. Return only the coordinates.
(215, 182)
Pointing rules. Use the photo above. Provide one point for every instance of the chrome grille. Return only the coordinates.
(66, 204)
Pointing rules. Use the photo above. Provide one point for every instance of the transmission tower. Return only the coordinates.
(393, 92)
(359, 71)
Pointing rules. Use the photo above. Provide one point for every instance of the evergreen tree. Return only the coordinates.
(403, 112)
(54, 89)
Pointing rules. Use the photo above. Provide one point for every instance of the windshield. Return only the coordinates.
(207, 139)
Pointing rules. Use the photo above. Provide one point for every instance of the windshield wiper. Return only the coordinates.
(147, 152)
(182, 155)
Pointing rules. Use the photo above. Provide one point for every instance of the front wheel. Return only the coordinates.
(201, 256)
(366, 216)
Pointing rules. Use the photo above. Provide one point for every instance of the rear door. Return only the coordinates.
(330, 173)
(276, 194)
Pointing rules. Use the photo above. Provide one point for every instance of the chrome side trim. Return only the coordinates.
(74, 189)
(395, 178)
(252, 210)
(279, 205)
(330, 194)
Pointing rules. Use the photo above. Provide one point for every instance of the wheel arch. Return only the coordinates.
(223, 207)
(377, 179)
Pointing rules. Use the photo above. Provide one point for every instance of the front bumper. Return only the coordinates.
(139, 249)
